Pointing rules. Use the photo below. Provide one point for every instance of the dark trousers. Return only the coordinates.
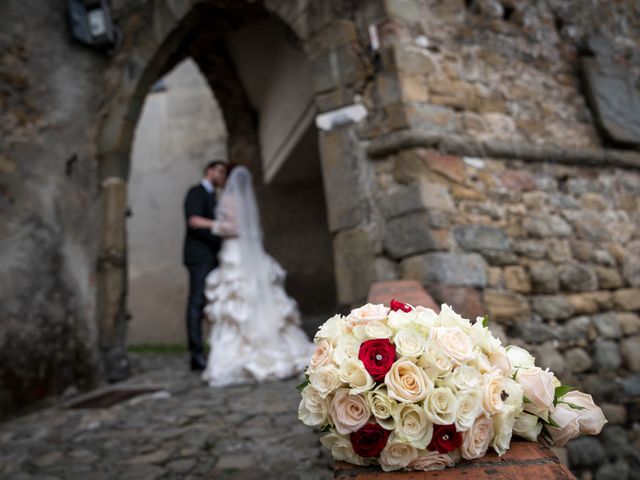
(195, 304)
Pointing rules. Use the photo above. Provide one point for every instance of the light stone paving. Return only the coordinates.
(185, 430)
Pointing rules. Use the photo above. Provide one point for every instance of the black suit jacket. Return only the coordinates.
(200, 245)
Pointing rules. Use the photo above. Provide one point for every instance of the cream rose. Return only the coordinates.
(407, 382)
(527, 426)
(434, 361)
(341, 449)
(591, 419)
(325, 380)
(568, 423)
(347, 348)
(476, 440)
(398, 319)
(449, 318)
(349, 412)
(480, 361)
(453, 342)
(409, 343)
(503, 430)
(432, 460)
(313, 409)
(396, 455)
(372, 330)
(493, 393)
(538, 386)
(440, 405)
(356, 376)
(331, 329)
(413, 426)
(426, 319)
(519, 358)
(382, 407)
(500, 361)
(514, 397)
(365, 314)
(468, 408)
(483, 338)
(463, 378)
(321, 355)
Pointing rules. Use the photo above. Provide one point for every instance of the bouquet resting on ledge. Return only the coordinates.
(407, 388)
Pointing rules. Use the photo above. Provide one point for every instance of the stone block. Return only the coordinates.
(417, 196)
(434, 118)
(505, 306)
(607, 355)
(577, 360)
(547, 356)
(614, 413)
(449, 166)
(546, 226)
(338, 66)
(464, 300)
(517, 279)
(608, 278)
(586, 452)
(453, 93)
(460, 269)
(631, 271)
(386, 270)
(544, 277)
(354, 265)
(559, 250)
(552, 307)
(592, 302)
(607, 325)
(518, 180)
(629, 323)
(409, 234)
(630, 350)
(480, 238)
(627, 299)
(576, 277)
(340, 170)
(530, 248)
(577, 329)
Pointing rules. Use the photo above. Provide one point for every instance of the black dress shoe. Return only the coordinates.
(198, 362)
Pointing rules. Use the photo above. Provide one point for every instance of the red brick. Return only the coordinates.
(406, 291)
(465, 301)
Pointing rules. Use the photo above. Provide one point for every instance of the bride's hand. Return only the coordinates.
(223, 228)
(196, 221)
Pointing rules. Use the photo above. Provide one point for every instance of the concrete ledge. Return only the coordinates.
(466, 146)
(524, 461)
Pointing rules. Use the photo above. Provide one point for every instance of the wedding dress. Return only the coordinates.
(255, 333)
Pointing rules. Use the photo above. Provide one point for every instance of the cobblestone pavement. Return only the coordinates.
(184, 430)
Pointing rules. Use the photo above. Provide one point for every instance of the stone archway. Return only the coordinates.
(180, 29)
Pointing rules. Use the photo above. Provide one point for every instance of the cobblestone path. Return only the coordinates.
(184, 430)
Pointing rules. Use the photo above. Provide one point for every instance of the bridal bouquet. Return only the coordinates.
(407, 388)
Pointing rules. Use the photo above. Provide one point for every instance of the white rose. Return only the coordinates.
(325, 380)
(483, 338)
(426, 319)
(398, 319)
(341, 449)
(463, 377)
(396, 455)
(527, 426)
(331, 329)
(347, 348)
(568, 423)
(519, 358)
(493, 393)
(434, 361)
(538, 387)
(503, 427)
(365, 314)
(591, 418)
(349, 412)
(453, 342)
(409, 343)
(432, 460)
(407, 382)
(449, 318)
(468, 408)
(382, 407)
(476, 440)
(313, 409)
(514, 396)
(352, 372)
(372, 330)
(440, 405)
(500, 360)
(321, 355)
(413, 426)
(480, 361)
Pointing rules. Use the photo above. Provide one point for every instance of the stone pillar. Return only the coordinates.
(112, 279)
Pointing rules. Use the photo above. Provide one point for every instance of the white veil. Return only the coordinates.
(239, 210)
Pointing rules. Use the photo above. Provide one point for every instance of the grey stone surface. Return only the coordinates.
(631, 271)
(630, 350)
(547, 356)
(576, 329)
(551, 307)
(417, 196)
(546, 226)
(187, 431)
(408, 235)
(464, 269)
(530, 248)
(544, 277)
(607, 325)
(481, 238)
(577, 360)
(576, 277)
(607, 354)
(585, 452)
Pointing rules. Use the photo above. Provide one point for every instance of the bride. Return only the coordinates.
(255, 334)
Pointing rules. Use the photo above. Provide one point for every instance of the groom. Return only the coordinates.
(200, 254)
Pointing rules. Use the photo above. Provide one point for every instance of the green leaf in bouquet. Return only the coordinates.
(526, 400)
(303, 385)
(551, 422)
(325, 428)
(573, 405)
(561, 391)
(485, 321)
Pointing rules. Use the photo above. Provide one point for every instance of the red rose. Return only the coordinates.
(377, 355)
(445, 438)
(396, 305)
(370, 440)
